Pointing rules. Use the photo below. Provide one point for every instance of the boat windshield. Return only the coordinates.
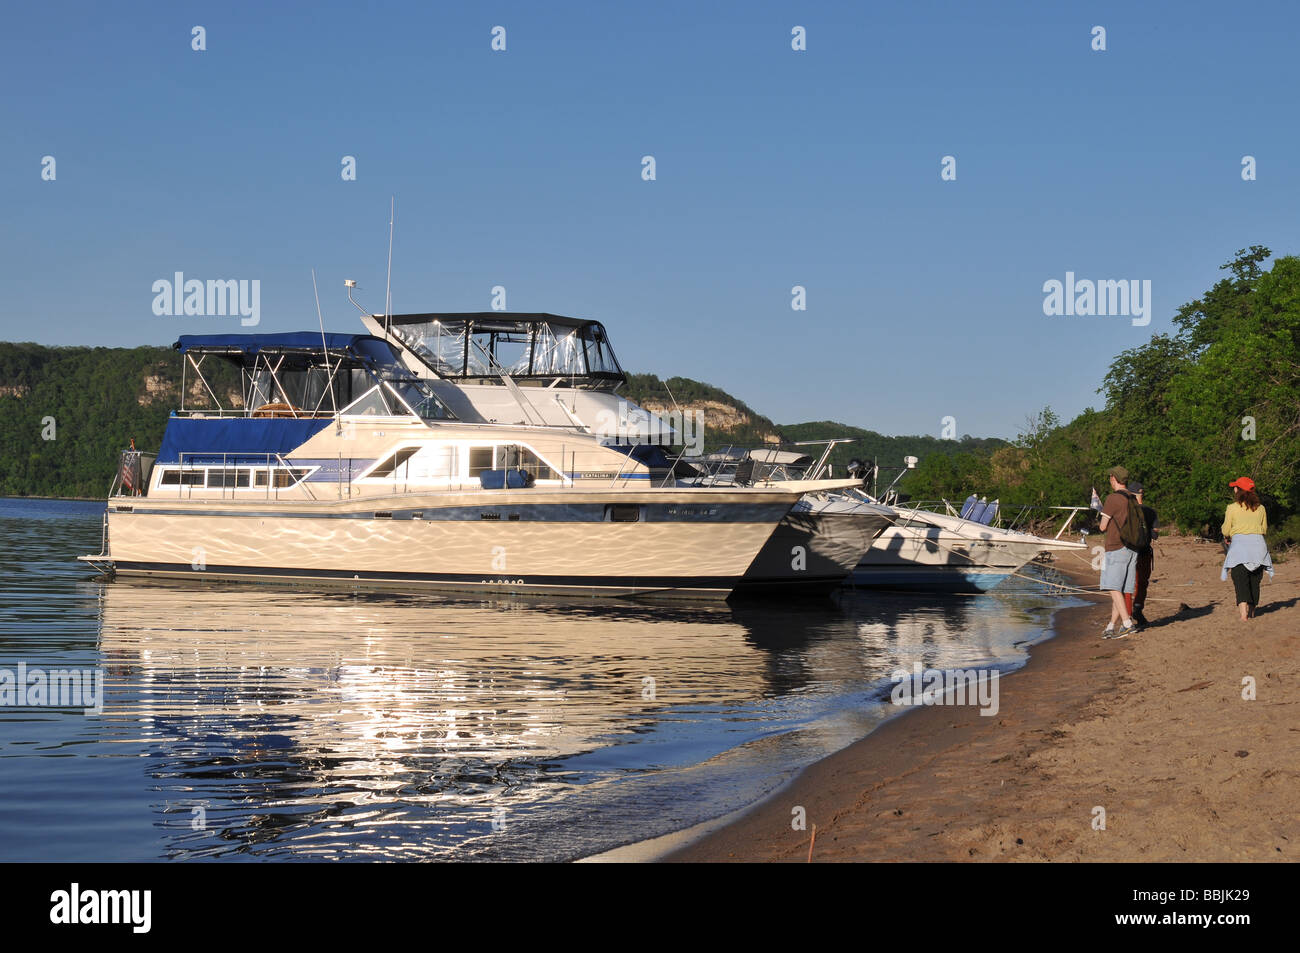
(529, 348)
(418, 395)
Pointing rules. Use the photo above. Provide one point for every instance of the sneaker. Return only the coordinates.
(1109, 632)
(1125, 630)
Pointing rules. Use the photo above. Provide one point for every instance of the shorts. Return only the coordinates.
(1246, 584)
(1119, 570)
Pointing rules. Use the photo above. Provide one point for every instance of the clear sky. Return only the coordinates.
(774, 168)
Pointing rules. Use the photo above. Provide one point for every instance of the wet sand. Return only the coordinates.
(1152, 728)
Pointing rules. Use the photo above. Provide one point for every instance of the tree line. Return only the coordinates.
(1185, 412)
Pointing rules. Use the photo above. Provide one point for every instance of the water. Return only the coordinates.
(257, 722)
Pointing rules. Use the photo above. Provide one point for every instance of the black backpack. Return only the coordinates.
(1134, 532)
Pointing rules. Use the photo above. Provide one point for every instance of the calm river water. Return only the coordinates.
(250, 722)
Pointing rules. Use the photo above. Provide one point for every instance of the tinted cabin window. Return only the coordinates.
(227, 478)
(182, 478)
(480, 459)
(522, 458)
(392, 463)
(285, 478)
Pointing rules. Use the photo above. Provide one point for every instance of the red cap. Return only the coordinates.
(1246, 483)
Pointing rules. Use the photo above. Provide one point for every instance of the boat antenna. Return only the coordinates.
(325, 348)
(681, 414)
(351, 283)
(388, 294)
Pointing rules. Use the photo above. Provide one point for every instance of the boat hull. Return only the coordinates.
(683, 546)
(929, 579)
(811, 554)
(937, 559)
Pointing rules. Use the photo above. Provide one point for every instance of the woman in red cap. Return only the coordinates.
(1244, 526)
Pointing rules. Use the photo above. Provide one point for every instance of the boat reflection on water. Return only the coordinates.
(290, 724)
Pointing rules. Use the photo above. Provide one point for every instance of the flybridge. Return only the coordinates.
(544, 349)
(305, 374)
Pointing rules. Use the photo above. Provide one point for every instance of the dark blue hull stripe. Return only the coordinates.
(503, 580)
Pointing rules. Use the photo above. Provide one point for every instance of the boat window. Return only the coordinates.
(279, 478)
(524, 458)
(480, 459)
(369, 404)
(378, 352)
(306, 390)
(558, 352)
(433, 462)
(419, 396)
(600, 356)
(183, 478)
(228, 478)
(392, 463)
(441, 346)
(523, 347)
(494, 350)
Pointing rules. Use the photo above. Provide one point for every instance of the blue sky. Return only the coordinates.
(775, 168)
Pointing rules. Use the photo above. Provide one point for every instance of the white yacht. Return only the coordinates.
(548, 370)
(340, 466)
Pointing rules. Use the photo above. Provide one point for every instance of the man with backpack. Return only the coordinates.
(1125, 529)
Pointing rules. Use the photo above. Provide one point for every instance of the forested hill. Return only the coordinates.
(65, 413)
(90, 402)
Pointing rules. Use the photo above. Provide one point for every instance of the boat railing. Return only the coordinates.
(1031, 518)
(271, 463)
(250, 476)
(262, 411)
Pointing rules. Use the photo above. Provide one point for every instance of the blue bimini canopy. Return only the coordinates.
(232, 440)
(293, 349)
(252, 343)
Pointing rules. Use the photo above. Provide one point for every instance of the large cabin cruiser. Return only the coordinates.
(336, 464)
(550, 370)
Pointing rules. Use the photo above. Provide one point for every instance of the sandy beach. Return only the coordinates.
(1154, 729)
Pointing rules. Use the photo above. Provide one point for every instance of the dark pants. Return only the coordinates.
(1247, 584)
(1145, 560)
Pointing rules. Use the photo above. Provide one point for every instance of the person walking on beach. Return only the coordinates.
(1146, 557)
(1244, 526)
(1118, 567)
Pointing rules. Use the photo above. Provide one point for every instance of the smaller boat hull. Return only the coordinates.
(928, 578)
(811, 554)
(955, 557)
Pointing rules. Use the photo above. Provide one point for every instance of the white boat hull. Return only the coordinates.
(529, 541)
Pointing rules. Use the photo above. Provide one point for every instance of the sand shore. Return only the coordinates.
(1153, 728)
